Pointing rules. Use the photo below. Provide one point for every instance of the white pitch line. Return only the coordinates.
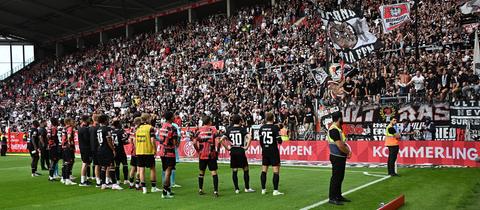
(326, 170)
(376, 175)
(350, 191)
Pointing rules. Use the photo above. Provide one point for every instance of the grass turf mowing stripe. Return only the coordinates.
(350, 191)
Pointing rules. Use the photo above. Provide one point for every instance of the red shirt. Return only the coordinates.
(207, 142)
(52, 136)
(168, 136)
(178, 121)
(132, 151)
(68, 140)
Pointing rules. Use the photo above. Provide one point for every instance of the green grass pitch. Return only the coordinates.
(445, 188)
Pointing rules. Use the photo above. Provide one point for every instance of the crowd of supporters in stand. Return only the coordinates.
(267, 53)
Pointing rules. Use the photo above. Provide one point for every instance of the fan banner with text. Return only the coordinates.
(411, 152)
(348, 30)
(393, 16)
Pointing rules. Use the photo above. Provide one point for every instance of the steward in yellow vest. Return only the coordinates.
(391, 141)
(339, 152)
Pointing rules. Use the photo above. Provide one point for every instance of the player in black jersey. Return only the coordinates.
(120, 138)
(44, 157)
(85, 150)
(33, 146)
(239, 140)
(269, 140)
(94, 147)
(106, 154)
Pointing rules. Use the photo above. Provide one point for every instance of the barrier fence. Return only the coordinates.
(458, 153)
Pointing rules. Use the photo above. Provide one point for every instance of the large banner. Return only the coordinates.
(369, 122)
(393, 16)
(349, 34)
(411, 152)
(465, 113)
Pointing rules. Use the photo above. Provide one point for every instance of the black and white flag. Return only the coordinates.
(319, 75)
(349, 34)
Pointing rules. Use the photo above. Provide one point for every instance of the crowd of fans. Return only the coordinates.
(268, 57)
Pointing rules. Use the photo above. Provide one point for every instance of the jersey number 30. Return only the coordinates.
(236, 139)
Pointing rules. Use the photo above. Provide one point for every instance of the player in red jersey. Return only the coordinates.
(68, 146)
(207, 146)
(53, 147)
(169, 140)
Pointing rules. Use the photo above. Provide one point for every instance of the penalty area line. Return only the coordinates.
(350, 191)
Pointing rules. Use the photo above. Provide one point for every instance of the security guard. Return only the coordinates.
(283, 133)
(339, 152)
(391, 141)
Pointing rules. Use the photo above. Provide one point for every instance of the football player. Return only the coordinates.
(239, 140)
(269, 140)
(207, 146)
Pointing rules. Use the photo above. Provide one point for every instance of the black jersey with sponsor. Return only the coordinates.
(120, 138)
(103, 132)
(237, 137)
(269, 139)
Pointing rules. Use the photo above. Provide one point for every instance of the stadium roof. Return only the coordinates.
(46, 20)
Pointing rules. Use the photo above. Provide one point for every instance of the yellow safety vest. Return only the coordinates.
(334, 150)
(143, 145)
(284, 134)
(390, 139)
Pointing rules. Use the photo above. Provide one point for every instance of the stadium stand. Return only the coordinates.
(258, 59)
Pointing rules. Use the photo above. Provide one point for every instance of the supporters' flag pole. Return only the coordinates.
(476, 55)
